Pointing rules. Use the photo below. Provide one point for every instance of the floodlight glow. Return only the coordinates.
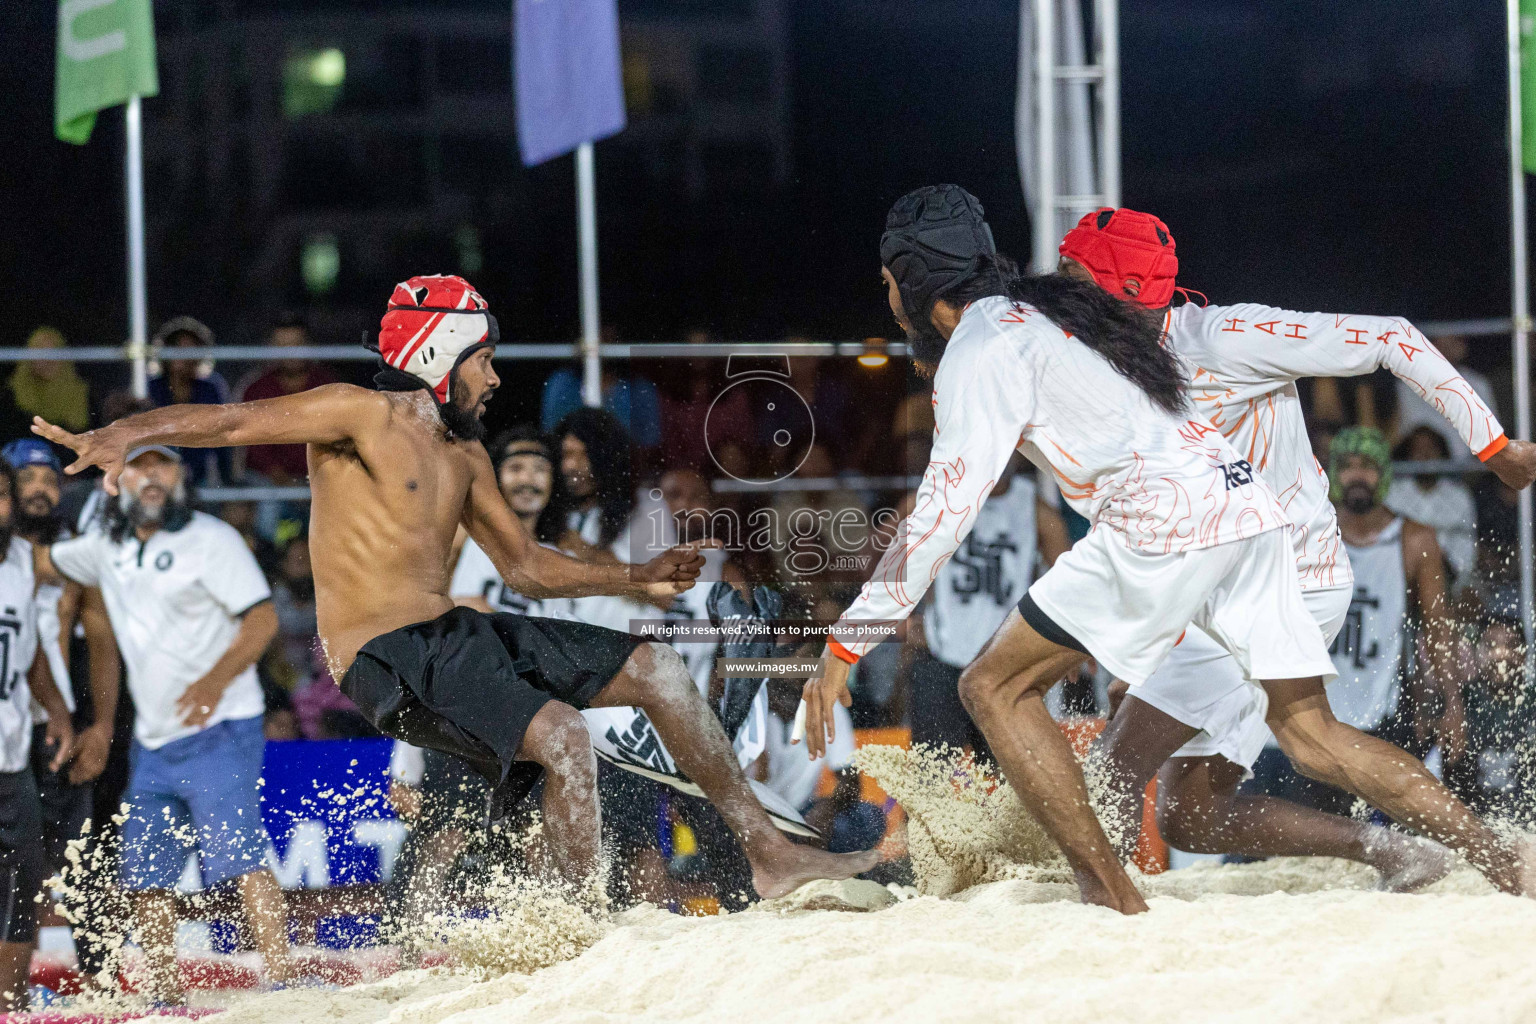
(328, 68)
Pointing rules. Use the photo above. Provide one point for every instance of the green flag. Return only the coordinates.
(106, 54)
(1528, 84)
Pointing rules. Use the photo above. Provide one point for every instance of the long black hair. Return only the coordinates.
(607, 444)
(1126, 334)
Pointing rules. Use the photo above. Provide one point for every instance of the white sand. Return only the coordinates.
(1290, 940)
(1000, 954)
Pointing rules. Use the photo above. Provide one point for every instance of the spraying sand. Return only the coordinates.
(993, 932)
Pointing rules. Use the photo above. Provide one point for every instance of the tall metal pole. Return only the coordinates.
(1109, 137)
(586, 237)
(1520, 337)
(138, 312)
(1046, 231)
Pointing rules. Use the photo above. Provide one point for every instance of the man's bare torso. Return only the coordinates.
(384, 512)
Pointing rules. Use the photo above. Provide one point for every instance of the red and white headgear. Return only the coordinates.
(433, 324)
(1125, 247)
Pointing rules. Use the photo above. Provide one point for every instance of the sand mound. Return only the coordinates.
(530, 925)
(849, 894)
(963, 828)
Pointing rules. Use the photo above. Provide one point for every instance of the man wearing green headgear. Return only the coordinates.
(1357, 450)
(1399, 575)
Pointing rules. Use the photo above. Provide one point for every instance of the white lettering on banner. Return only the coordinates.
(76, 48)
(191, 879)
(307, 865)
(386, 835)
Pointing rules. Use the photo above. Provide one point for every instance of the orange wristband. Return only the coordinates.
(1498, 444)
(842, 652)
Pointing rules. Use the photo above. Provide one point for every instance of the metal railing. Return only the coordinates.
(845, 482)
(569, 350)
(508, 351)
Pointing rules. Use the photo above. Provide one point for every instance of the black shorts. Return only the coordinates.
(66, 805)
(467, 683)
(21, 856)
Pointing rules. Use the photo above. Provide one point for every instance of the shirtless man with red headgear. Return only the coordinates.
(394, 472)
(1197, 718)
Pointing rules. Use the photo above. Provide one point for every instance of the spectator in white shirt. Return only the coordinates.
(192, 614)
(1443, 503)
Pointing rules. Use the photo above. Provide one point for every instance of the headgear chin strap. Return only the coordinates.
(933, 238)
(433, 323)
(1130, 254)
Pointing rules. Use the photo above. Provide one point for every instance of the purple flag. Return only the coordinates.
(570, 88)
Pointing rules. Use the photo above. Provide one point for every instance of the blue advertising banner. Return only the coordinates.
(325, 806)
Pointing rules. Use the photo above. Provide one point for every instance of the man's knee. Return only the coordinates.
(977, 688)
(984, 688)
(1184, 823)
(557, 738)
(663, 676)
(661, 667)
(1171, 824)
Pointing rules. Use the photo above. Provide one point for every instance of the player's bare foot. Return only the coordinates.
(793, 866)
(1409, 863)
(1093, 891)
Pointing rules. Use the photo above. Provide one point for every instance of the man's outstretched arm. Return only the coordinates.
(530, 568)
(1262, 343)
(324, 415)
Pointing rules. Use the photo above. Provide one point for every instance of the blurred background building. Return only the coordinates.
(303, 152)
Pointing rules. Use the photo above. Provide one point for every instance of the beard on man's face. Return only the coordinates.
(461, 413)
(1359, 498)
(38, 516)
(925, 343)
(146, 506)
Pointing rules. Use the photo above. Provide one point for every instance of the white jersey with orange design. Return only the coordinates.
(1162, 484)
(1243, 362)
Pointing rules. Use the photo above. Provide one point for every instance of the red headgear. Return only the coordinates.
(1122, 247)
(432, 325)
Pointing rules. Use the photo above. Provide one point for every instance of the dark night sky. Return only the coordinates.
(1304, 152)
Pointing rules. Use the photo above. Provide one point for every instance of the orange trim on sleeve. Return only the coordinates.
(842, 652)
(1494, 448)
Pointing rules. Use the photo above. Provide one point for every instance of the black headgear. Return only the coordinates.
(932, 239)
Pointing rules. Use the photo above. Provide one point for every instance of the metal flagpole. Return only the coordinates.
(1109, 136)
(586, 234)
(138, 314)
(1520, 336)
(1046, 234)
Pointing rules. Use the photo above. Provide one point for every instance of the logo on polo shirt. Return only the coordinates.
(163, 560)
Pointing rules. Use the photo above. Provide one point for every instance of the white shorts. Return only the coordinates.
(1201, 685)
(1129, 608)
